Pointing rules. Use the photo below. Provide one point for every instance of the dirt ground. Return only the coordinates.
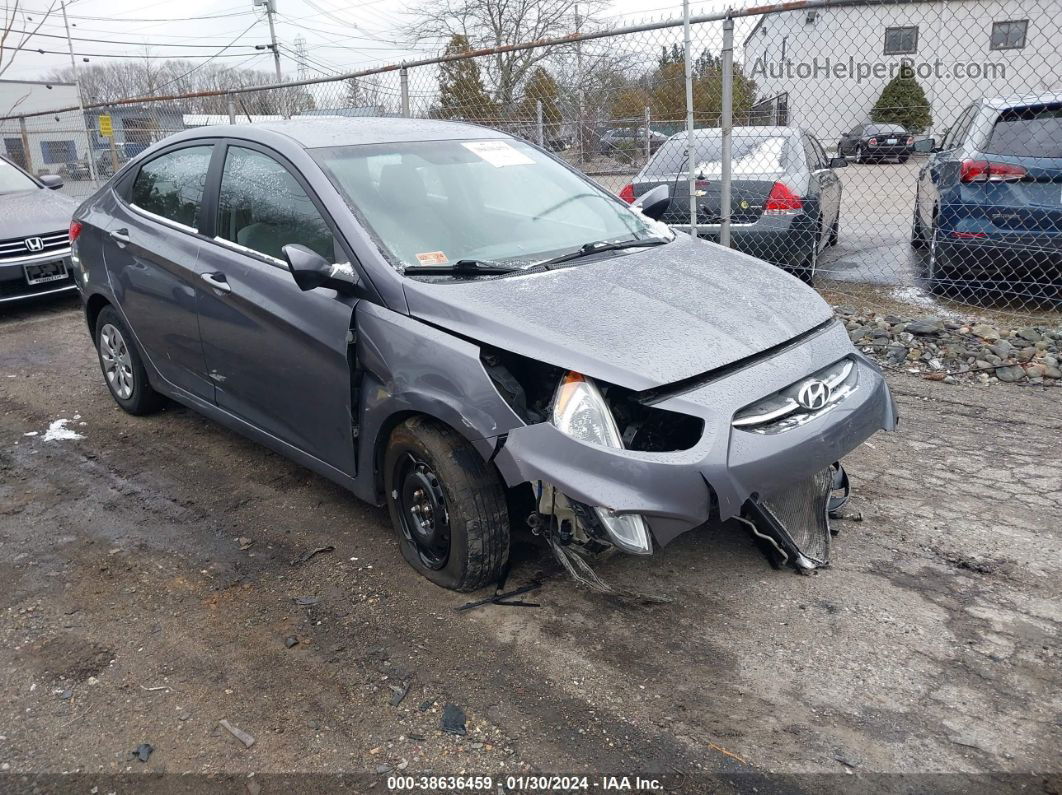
(148, 591)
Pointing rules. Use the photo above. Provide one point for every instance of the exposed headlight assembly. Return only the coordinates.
(580, 411)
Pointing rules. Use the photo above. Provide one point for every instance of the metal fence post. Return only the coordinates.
(648, 141)
(538, 123)
(727, 123)
(27, 157)
(690, 149)
(403, 77)
(231, 102)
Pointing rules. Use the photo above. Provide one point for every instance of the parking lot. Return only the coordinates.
(150, 572)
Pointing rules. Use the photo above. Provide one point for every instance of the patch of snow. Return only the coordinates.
(31, 433)
(909, 294)
(58, 432)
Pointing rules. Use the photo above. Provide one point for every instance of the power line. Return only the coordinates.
(116, 41)
(218, 54)
(124, 55)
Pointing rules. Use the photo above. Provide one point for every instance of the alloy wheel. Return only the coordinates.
(117, 364)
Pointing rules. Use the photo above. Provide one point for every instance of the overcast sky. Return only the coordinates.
(340, 37)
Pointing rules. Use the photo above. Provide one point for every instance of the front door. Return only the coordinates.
(277, 355)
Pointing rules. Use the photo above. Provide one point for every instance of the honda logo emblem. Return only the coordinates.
(814, 395)
(34, 244)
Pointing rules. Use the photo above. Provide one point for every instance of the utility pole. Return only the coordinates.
(581, 134)
(270, 9)
(691, 153)
(80, 101)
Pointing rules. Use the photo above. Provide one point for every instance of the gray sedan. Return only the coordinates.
(452, 322)
(34, 235)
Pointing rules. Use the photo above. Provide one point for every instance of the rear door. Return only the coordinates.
(277, 355)
(151, 249)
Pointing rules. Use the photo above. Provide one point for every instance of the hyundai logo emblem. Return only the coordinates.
(813, 395)
(34, 244)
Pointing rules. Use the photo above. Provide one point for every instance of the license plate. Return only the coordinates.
(45, 272)
(891, 141)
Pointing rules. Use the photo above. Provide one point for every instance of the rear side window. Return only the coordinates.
(262, 207)
(1027, 132)
(171, 186)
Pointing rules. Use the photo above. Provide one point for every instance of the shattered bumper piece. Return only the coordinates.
(797, 519)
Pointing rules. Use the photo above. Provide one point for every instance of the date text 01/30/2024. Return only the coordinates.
(523, 783)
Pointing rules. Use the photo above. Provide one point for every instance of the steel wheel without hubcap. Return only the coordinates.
(117, 365)
(422, 510)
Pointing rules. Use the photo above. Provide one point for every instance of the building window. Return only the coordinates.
(901, 41)
(58, 152)
(1009, 35)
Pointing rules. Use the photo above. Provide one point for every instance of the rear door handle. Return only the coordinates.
(120, 236)
(217, 281)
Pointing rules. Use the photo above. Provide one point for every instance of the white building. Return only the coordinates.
(41, 144)
(827, 67)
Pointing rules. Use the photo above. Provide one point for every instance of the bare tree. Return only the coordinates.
(492, 23)
(13, 40)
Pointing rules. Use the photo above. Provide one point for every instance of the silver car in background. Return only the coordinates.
(34, 235)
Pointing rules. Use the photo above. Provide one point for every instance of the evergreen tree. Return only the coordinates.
(903, 101)
(541, 87)
(462, 94)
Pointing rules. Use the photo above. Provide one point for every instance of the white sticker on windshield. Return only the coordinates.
(498, 153)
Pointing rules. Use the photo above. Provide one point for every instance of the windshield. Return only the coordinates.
(751, 154)
(11, 179)
(438, 202)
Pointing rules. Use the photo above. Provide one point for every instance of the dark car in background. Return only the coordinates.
(511, 346)
(988, 205)
(34, 234)
(629, 140)
(785, 197)
(873, 143)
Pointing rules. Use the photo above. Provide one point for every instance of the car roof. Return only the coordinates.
(745, 132)
(315, 132)
(1022, 100)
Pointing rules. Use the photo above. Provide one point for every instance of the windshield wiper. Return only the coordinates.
(604, 245)
(463, 267)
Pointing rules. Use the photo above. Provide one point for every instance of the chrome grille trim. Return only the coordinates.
(781, 411)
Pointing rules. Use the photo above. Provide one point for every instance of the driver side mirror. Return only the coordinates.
(51, 181)
(311, 270)
(654, 203)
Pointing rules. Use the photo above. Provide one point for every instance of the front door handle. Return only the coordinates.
(217, 281)
(120, 236)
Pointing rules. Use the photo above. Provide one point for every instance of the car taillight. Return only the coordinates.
(910, 140)
(984, 171)
(627, 194)
(782, 201)
(873, 142)
(75, 230)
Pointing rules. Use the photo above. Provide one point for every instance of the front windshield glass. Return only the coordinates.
(501, 201)
(11, 179)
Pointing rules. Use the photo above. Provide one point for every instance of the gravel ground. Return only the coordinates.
(148, 593)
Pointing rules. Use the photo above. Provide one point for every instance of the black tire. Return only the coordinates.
(860, 155)
(938, 269)
(805, 269)
(470, 546)
(918, 232)
(131, 389)
(903, 158)
(835, 231)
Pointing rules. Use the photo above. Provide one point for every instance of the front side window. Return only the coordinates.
(171, 186)
(901, 41)
(12, 180)
(262, 207)
(1009, 35)
(438, 202)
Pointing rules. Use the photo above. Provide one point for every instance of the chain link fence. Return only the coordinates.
(915, 145)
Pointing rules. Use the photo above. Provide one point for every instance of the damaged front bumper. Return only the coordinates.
(731, 464)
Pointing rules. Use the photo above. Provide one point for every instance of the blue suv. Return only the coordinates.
(988, 206)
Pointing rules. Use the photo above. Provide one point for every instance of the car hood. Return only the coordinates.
(34, 212)
(639, 320)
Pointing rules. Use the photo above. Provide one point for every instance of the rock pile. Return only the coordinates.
(954, 351)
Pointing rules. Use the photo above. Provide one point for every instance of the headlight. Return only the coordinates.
(580, 411)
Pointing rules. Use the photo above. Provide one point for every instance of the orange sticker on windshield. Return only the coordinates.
(432, 258)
